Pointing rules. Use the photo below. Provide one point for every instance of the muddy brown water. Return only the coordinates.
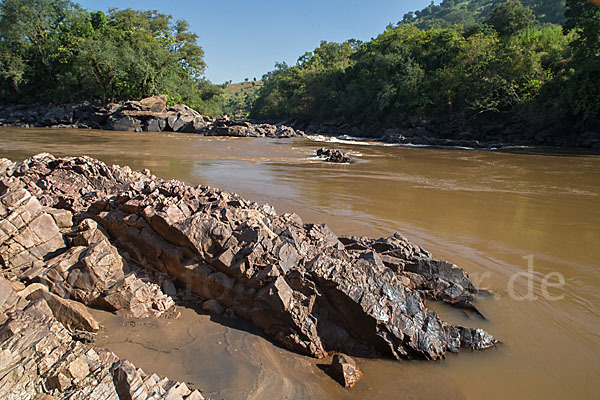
(512, 221)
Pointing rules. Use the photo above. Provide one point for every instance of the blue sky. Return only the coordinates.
(244, 39)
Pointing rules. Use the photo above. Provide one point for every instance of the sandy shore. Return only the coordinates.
(228, 358)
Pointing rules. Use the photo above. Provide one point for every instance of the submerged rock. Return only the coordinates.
(311, 291)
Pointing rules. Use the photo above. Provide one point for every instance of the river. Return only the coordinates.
(524, 226)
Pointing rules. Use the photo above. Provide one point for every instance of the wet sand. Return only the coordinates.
(227, 358)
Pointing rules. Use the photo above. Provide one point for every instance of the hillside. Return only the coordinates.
(239, 97)
(447, 13)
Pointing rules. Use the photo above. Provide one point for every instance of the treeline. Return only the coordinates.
(510, 63)
(55, 51)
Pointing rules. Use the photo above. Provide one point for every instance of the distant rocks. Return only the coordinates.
(333, 156)
(147, 115)
(226, 127)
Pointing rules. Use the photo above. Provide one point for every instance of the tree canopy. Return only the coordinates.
(505, 64)
(470, 12)
(53, 50)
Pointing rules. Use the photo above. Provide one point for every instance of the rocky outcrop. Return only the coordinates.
(147, 115)
(311, 291)
(80, 265)
(41, 359)
(333, 156)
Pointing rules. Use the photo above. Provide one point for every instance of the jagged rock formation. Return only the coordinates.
(147, 115)
(41, 359)
(90, 271)
(309, 290)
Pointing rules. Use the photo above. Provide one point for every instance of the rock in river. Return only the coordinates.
(334, 156)
(345, 370)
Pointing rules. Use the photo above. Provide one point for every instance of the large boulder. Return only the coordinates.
(125, 123)
(155, 103)
(156, 125)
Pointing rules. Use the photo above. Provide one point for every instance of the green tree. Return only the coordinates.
(511, 17)
(53, 50)
(38, 39)
(580, 89)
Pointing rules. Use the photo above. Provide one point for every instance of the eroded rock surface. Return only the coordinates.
(41, 359)
(309, 290)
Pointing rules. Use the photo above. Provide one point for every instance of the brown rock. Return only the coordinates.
(78, 368)
(17, 286)
(63, 218)
(213, 307)
(155, 103)
(135, 298)
(59, 382)
(71, 314)
(345, 370)
(126, 379)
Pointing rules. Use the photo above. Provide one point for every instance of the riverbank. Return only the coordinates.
(461, 132)
(153, 115)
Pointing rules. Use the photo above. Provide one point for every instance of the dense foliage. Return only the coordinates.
(509, 64)
(53, 50)
(448, 13)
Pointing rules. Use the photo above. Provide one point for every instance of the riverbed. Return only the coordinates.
(524, 226)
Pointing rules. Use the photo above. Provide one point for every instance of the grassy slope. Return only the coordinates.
(237, 96)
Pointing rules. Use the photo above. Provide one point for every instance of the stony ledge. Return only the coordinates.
(75, 232)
